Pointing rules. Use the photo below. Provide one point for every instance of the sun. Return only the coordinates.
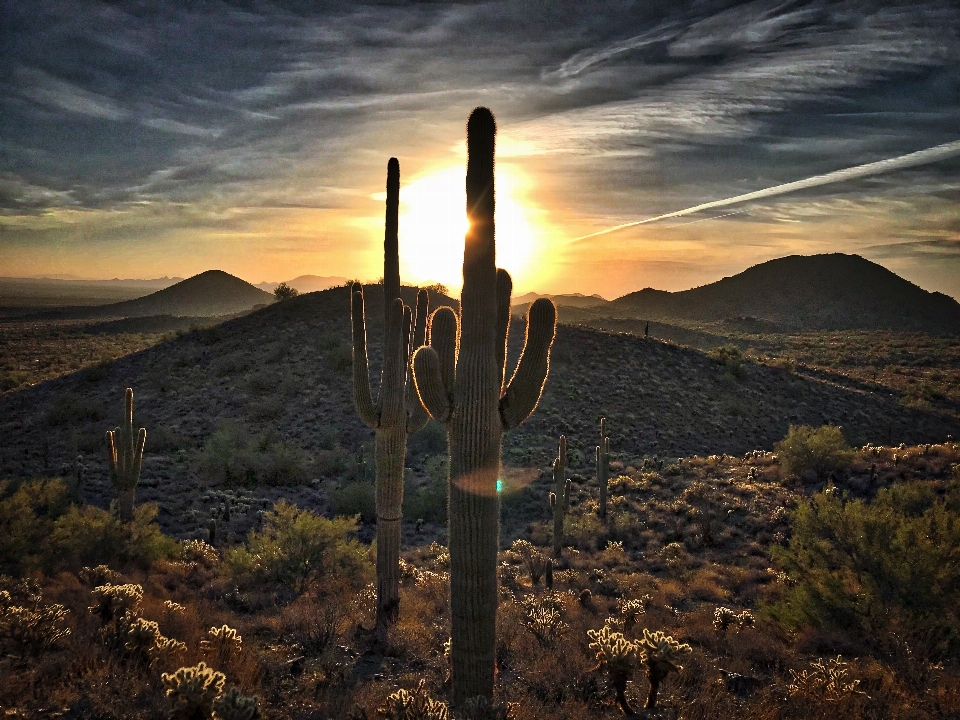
(433, 223)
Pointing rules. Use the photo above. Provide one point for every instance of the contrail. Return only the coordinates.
(920, 157)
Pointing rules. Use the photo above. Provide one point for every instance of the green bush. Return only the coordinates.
(232, 456)
(819, 450)
(356, 498)
(429, 502)
(87, 535)
(296, 546)
(730, 357)
(877, 569)
(41, 530)
(28, 512)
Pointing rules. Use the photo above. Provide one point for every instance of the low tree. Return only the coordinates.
(285, 292)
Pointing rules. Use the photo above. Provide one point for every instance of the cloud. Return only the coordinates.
(914, 159)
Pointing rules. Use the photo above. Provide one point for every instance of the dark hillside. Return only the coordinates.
(283, 373)
(822, 292)
(210, 293)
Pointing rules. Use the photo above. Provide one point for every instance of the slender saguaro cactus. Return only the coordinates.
(397, 411)
(461, 383)
(603, 465)
(125, 453)
(560, 497)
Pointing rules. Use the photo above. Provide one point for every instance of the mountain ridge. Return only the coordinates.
(208, 294)
(818, 292)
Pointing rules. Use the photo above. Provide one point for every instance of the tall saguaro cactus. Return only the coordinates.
(560, 497)
(397, 411)
(460, 381)
(125, 453)
(603, 465)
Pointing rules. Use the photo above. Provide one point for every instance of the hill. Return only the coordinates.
(281, 377)
(306, 283)
(210, 293)
(816, 292)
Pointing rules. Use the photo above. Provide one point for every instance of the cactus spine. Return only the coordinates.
(125, 453)
(462, 385)
(397, 411)
(560, 497)
(603, 465)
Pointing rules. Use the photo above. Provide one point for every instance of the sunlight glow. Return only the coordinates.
(433, 223)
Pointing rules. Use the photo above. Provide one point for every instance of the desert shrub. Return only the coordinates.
(295, 546)
(820, 450)
(231, 456)
(730, 358)
(356, 498)
(872, 569)
(68, 408)
(28, 512)
(431, 440)
(429, 502)
(285, 292)
(86, 535)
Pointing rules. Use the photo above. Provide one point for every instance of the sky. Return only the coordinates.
(143, 139)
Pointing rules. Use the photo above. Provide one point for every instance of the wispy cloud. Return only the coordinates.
(147, 111)
(914, 159)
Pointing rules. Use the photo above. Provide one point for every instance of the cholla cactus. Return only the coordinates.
(416, 705)
(233, 705)
(193, 690)
(630, 611)
(661, 654)
(531, 557)
(164, 651)
(480, 708)
(724, 617)
(221, 641)
(141, 636)
(619, 657)
(99, 575)
(125, 453)
(543, 617)
(115, 601)
(826, 680)
(201, 552)
(30, 630)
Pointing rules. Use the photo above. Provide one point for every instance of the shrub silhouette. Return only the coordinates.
(285, 292)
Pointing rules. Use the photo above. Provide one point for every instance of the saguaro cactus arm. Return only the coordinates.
(429, 382)
(392, 382)
(362, 397)
(504, 290)
(526, 385)
(416, 414)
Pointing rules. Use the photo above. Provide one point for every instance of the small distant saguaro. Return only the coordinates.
(125, 453)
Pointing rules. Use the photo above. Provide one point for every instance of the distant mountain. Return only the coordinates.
(816, 292)
(520, 303)
(306, 283)
(210, 293)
